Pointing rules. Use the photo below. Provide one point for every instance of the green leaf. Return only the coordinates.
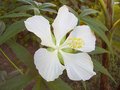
(40, 85)
(23, 8)
(21, 53)
(16, 83)
(86, 12)
(99, 50)
(64, 2)
(102, 69)
(49, 10)
(2, 27)
(31, 2)
(14, 15)
(46, 5)
(26, 1)
(94, 22)
(12, 30)
(58, 85)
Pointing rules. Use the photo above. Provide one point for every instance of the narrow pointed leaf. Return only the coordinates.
(58, 85)
(102, 69)
(21, 53)
(14, 15)
(12, 30)
(86, 12)
(99, 50)
(23, 8)
(16, 83)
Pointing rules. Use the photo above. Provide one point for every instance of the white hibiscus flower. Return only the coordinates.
(78, 65)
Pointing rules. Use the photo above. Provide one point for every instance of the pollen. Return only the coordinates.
(75, 42)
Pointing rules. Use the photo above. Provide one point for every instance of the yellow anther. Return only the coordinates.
(75, 43)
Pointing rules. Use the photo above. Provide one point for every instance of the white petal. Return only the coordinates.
(64, 22)
(83, 32)
(48, 64)
(40, 27)
(79, 66)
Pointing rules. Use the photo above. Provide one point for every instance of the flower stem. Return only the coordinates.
(11, 61)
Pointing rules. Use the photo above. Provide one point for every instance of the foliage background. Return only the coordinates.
(17, 45)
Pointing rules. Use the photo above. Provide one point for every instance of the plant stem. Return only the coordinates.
(108, 13)
(11, 61)
(112, 30)
(104, 83)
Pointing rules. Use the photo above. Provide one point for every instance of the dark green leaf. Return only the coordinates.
(12, 30)
(23, 8)
(86, 12)
(58, 85)
(16, 83)
(102, 69)
(94, 22)
(26, 1)
(99, 50)
(21, 53)
(40, 85)
(64, 2)
(31, 2)
(14, 15)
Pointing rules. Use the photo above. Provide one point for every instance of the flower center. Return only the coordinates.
(57, 47)
(75, 42)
